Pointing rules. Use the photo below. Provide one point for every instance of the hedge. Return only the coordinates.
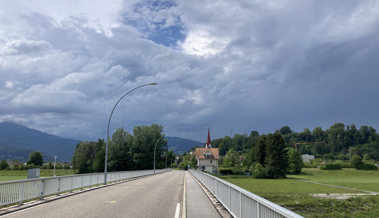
(331, 166)
(226, 171)
(366, 166)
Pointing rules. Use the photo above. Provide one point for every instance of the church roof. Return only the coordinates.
(201, 151)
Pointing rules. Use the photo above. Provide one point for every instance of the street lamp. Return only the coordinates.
(156, 148)
(106, 147)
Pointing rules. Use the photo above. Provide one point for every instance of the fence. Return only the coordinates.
(21, 190)
(239, 202)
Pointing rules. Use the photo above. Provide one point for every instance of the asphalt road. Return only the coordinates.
(155, 196)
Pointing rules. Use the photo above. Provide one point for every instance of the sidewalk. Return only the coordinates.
(198, 204)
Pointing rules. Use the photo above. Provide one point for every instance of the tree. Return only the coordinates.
(285, 130)
(276, 161)
(4, 165)
(35, 158)
(120, 152)
(356, 161)
(193, 162)
(50, 165)
(231, 158)
(295, 161)
(366, 157)
(260, 150)
(145, 138)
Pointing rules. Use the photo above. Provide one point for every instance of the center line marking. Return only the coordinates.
(177, 210)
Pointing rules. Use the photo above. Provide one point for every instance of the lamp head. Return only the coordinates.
(153, 84)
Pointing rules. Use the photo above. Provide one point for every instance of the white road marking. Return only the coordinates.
(177, 210)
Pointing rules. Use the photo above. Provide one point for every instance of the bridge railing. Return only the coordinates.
(22, 190)
(240, 202)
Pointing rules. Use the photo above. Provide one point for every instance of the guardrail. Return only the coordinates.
(21, 190)
(240, 202)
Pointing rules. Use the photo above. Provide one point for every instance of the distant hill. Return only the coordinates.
(180, 145)
(18, 141)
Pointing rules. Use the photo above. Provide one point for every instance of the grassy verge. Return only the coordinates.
(295, 195)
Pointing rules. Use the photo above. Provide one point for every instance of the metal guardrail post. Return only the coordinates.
(258, 209)
(90, 181)
(72, 184)
(81, 185)
(240, 204)
(230, 198)
(42, 189)
(97, 183)
(59, 186)
(21, 195)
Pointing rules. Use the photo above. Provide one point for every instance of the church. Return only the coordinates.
(207, 157)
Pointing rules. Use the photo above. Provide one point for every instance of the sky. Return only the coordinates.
(231, 66)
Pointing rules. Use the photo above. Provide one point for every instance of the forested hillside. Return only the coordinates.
(340, 141)
(18, 141)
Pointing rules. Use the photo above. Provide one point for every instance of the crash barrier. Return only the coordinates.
(22, 190)
(240, 202)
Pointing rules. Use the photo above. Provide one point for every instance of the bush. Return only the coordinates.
(346, 165)
(343, 164)
(4, 165)
(238, 170)
(331, 166)
(367, 166)
(225, 171)
(259, 172)
(309, 165)
(356, 161)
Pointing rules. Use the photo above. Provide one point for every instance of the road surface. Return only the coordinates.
(154, 196)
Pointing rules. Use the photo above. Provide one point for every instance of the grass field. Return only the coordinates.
(11, 175)
(295, 195)
(352, 178)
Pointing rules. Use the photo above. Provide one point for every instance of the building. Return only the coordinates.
(207, 157)
(307, 157)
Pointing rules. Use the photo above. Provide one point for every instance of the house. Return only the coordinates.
(207, 157)
(307, 157)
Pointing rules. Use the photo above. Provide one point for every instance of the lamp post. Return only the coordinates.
(156, 148)
(109, 121)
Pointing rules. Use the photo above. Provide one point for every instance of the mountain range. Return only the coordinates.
(18, 141)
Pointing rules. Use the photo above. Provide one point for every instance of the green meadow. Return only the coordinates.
(359, 179)
(12, 175)
(297, 196)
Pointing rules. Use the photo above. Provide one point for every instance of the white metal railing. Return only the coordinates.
(21, 190)
(240, 202)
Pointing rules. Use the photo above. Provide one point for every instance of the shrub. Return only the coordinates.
(238, 170)
(356, 161)
(309, 165)
(225, 171)
(331, 166)
(367, 166)
(346, 165)
(3, 165)
(259, 172)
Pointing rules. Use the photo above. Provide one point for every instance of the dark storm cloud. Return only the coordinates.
(233, 66)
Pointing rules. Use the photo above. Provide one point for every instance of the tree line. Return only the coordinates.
(125, 151)
(338, 142)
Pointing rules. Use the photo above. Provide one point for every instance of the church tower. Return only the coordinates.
(209, 143)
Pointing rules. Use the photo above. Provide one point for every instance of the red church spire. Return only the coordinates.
(209, 143)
